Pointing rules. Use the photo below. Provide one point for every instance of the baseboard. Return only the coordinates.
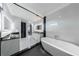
(24, 50)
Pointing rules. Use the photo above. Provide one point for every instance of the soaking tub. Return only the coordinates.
(59, 47)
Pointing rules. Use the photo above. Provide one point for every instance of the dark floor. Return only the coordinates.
(36, 51)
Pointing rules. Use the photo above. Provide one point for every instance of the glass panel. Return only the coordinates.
(0, 18)
(6, 24)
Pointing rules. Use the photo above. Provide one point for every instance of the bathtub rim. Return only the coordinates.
(73, 54)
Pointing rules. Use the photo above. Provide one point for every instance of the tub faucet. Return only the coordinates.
(56, 37)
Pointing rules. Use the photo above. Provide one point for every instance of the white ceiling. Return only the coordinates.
(42, 9)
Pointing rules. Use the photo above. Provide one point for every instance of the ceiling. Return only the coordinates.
(42, 9)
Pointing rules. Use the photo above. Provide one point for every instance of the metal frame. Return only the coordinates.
(44, 30)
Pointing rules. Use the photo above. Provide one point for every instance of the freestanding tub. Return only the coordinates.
(59, 47)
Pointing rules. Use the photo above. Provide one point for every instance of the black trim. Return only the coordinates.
(22, 51)
(44, 22)
(27, 10)
(18, 53)
(23, 29)
(0, 46)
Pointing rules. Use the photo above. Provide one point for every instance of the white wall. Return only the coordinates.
(23, 42)
(30, 18)
(64, 24)
(13, 46)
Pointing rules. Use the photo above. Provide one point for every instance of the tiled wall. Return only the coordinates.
(64, 24)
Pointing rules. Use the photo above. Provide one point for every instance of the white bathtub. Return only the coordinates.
(59, 48)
